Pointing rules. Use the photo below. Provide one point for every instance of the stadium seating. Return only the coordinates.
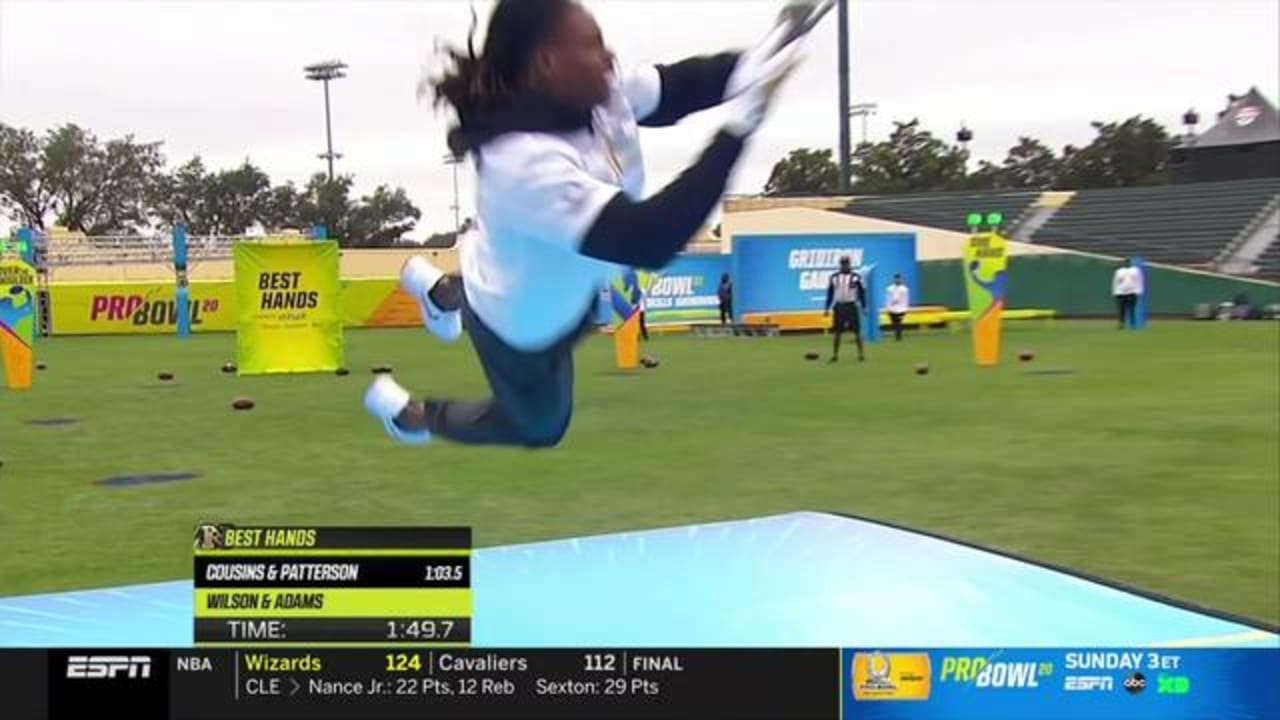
(1269, 262)
(944, 210)
(1175, 224)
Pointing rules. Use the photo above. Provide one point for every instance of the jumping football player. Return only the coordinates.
(552, 126)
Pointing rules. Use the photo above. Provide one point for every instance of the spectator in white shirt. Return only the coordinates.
(897, 299)
(1126, 286)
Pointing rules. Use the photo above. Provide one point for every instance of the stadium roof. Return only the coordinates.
(1248, 119)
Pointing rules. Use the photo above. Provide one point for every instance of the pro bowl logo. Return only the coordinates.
(678, 291)
(987, 672)
(892, 676)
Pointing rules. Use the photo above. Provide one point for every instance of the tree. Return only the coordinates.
(911, 160)
(23, 192)
(327, 202)
(228, 202)
(122, 186)
(377, 220)
(99, 188)
(179, 197)
(1029, 164)
(1132, 152)
(804, 171)
(282, 208)
(234, 199)
(988, 176)
(381, 219)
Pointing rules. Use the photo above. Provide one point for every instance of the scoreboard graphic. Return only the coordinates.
(332, 586)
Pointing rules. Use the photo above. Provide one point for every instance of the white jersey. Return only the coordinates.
(538, 195)
(846, 287)
(897, 298)
(1126, 281)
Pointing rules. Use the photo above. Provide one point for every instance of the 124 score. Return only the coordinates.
(404, 662)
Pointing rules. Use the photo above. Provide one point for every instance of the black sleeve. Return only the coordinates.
(862, 293)
(831, 290)
(648, 234)
(690, 86)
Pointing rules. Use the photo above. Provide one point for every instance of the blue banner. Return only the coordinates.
(1139, 318)
(780, 273)
(685, 290)
(1135, 684)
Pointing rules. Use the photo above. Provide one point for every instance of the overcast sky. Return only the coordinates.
(224, 79)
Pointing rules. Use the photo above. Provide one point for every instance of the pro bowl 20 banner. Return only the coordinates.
(289, 307)
(986, 278)
(686, 291)
(781, 273)
(17, 322)
(1057, 684)
(138, 308)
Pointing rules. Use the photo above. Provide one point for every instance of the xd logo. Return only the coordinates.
(1173, 685)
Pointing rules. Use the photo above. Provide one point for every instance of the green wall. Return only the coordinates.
(1081, 285)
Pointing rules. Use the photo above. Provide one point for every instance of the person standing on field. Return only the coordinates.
(897, 299)
(725, 295)
(1126, 286)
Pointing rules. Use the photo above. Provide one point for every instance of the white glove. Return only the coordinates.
(795, 21)
(749, 107)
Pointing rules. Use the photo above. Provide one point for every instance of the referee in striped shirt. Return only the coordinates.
(846, 294)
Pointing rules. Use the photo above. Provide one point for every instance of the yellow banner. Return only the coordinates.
(288, 307)
(378, 302)
(138, 308)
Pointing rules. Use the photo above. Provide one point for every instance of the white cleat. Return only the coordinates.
(417, 277)
(385, 400)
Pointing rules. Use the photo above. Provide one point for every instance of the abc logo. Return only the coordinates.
(1135, 683)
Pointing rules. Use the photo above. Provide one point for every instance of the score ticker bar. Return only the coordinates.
(328, 586)
(761, 684)
(287, 684)
(615, 683)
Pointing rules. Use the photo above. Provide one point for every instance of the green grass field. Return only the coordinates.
(1155, 463)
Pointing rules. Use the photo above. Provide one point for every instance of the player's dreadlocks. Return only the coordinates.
(479, 85)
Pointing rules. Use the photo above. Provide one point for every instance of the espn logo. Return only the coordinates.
(1088, 683)
(91, 667)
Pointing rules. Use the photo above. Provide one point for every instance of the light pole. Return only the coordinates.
(451, 159)
(324, 72)
(862, 110)
(842, 40)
